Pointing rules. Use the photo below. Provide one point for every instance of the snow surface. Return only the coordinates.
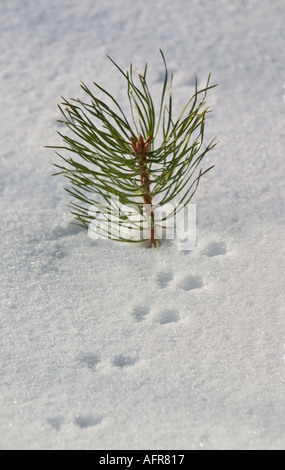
(111, 346)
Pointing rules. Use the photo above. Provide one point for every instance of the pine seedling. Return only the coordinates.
(122, 169)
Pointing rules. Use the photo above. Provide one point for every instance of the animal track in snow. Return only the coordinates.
(139, 312)
(86, 421)
(215, 249)
(90, 360)
(163, 278)
(168, 316)
(55, 422)
(192, 282)
(124, 361)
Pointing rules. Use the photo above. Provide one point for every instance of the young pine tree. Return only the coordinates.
(122, 169)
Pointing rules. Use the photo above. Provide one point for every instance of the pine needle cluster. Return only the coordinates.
(112, 157)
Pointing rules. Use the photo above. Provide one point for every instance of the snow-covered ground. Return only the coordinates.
(111, 346)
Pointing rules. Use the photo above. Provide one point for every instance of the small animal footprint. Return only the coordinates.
(163, 278)
(139, 312)
(124, 361)
(192, 282)
(168, 316)
(55, 422)
(90, 360)
(86, 421)
(215, 249)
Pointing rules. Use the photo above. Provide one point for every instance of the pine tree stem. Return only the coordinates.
(147, 199)
(152, 240)
(140, 148)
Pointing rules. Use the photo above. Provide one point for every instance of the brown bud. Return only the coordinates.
(133, 144)
(140, 144)
(146, 144)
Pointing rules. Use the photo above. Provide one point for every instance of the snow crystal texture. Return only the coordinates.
(111, 346)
